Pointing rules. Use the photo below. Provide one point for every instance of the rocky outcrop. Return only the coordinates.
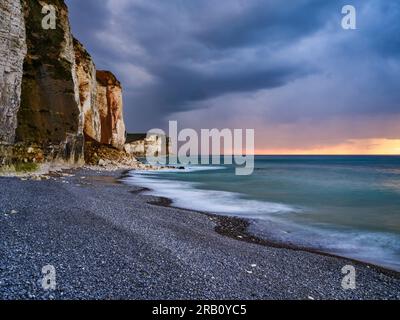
(50, 112)
(142, 145)
(86, 74)
(97, 154)
(109, 102)
(12, 54)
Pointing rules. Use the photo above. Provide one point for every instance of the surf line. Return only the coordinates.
(186, 147)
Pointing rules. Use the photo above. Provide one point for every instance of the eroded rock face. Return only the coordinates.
(86, 74)
(12, 54)
(101, 101)
(109, 102)
(50, 111)
(50, 92)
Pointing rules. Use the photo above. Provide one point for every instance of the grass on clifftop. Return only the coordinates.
(19, 167)
(25, 167)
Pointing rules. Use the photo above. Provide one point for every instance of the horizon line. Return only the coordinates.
(300, 154)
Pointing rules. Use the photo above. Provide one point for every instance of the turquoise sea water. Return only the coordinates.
(348, 205)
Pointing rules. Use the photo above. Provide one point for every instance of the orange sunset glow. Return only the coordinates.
(350, 147)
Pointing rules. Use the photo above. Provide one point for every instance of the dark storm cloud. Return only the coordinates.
(87, 18)
(174, 56)
(191, 86)
(270, 22)
(382, 29)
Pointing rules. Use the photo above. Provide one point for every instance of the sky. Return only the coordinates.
(288, 70)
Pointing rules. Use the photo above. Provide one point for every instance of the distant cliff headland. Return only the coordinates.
(55, 106)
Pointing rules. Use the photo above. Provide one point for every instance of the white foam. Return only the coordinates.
(373, 247)
(186, 195)
(380, 248)
(176, 170)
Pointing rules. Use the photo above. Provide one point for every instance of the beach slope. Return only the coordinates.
(108, 241)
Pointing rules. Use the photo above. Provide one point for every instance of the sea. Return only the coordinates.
(343, 205)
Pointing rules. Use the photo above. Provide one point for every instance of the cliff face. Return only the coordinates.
(12, 53)
(101, 101)
(142, 145)
(50, 92)
(50, 112)
(109, 102)
(86, 73)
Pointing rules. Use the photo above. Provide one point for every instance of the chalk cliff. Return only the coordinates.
(50, 113)
(51, 95)
(101, 101)
(86, 73)
(12, 54)
(109, 101)
(142, 145)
